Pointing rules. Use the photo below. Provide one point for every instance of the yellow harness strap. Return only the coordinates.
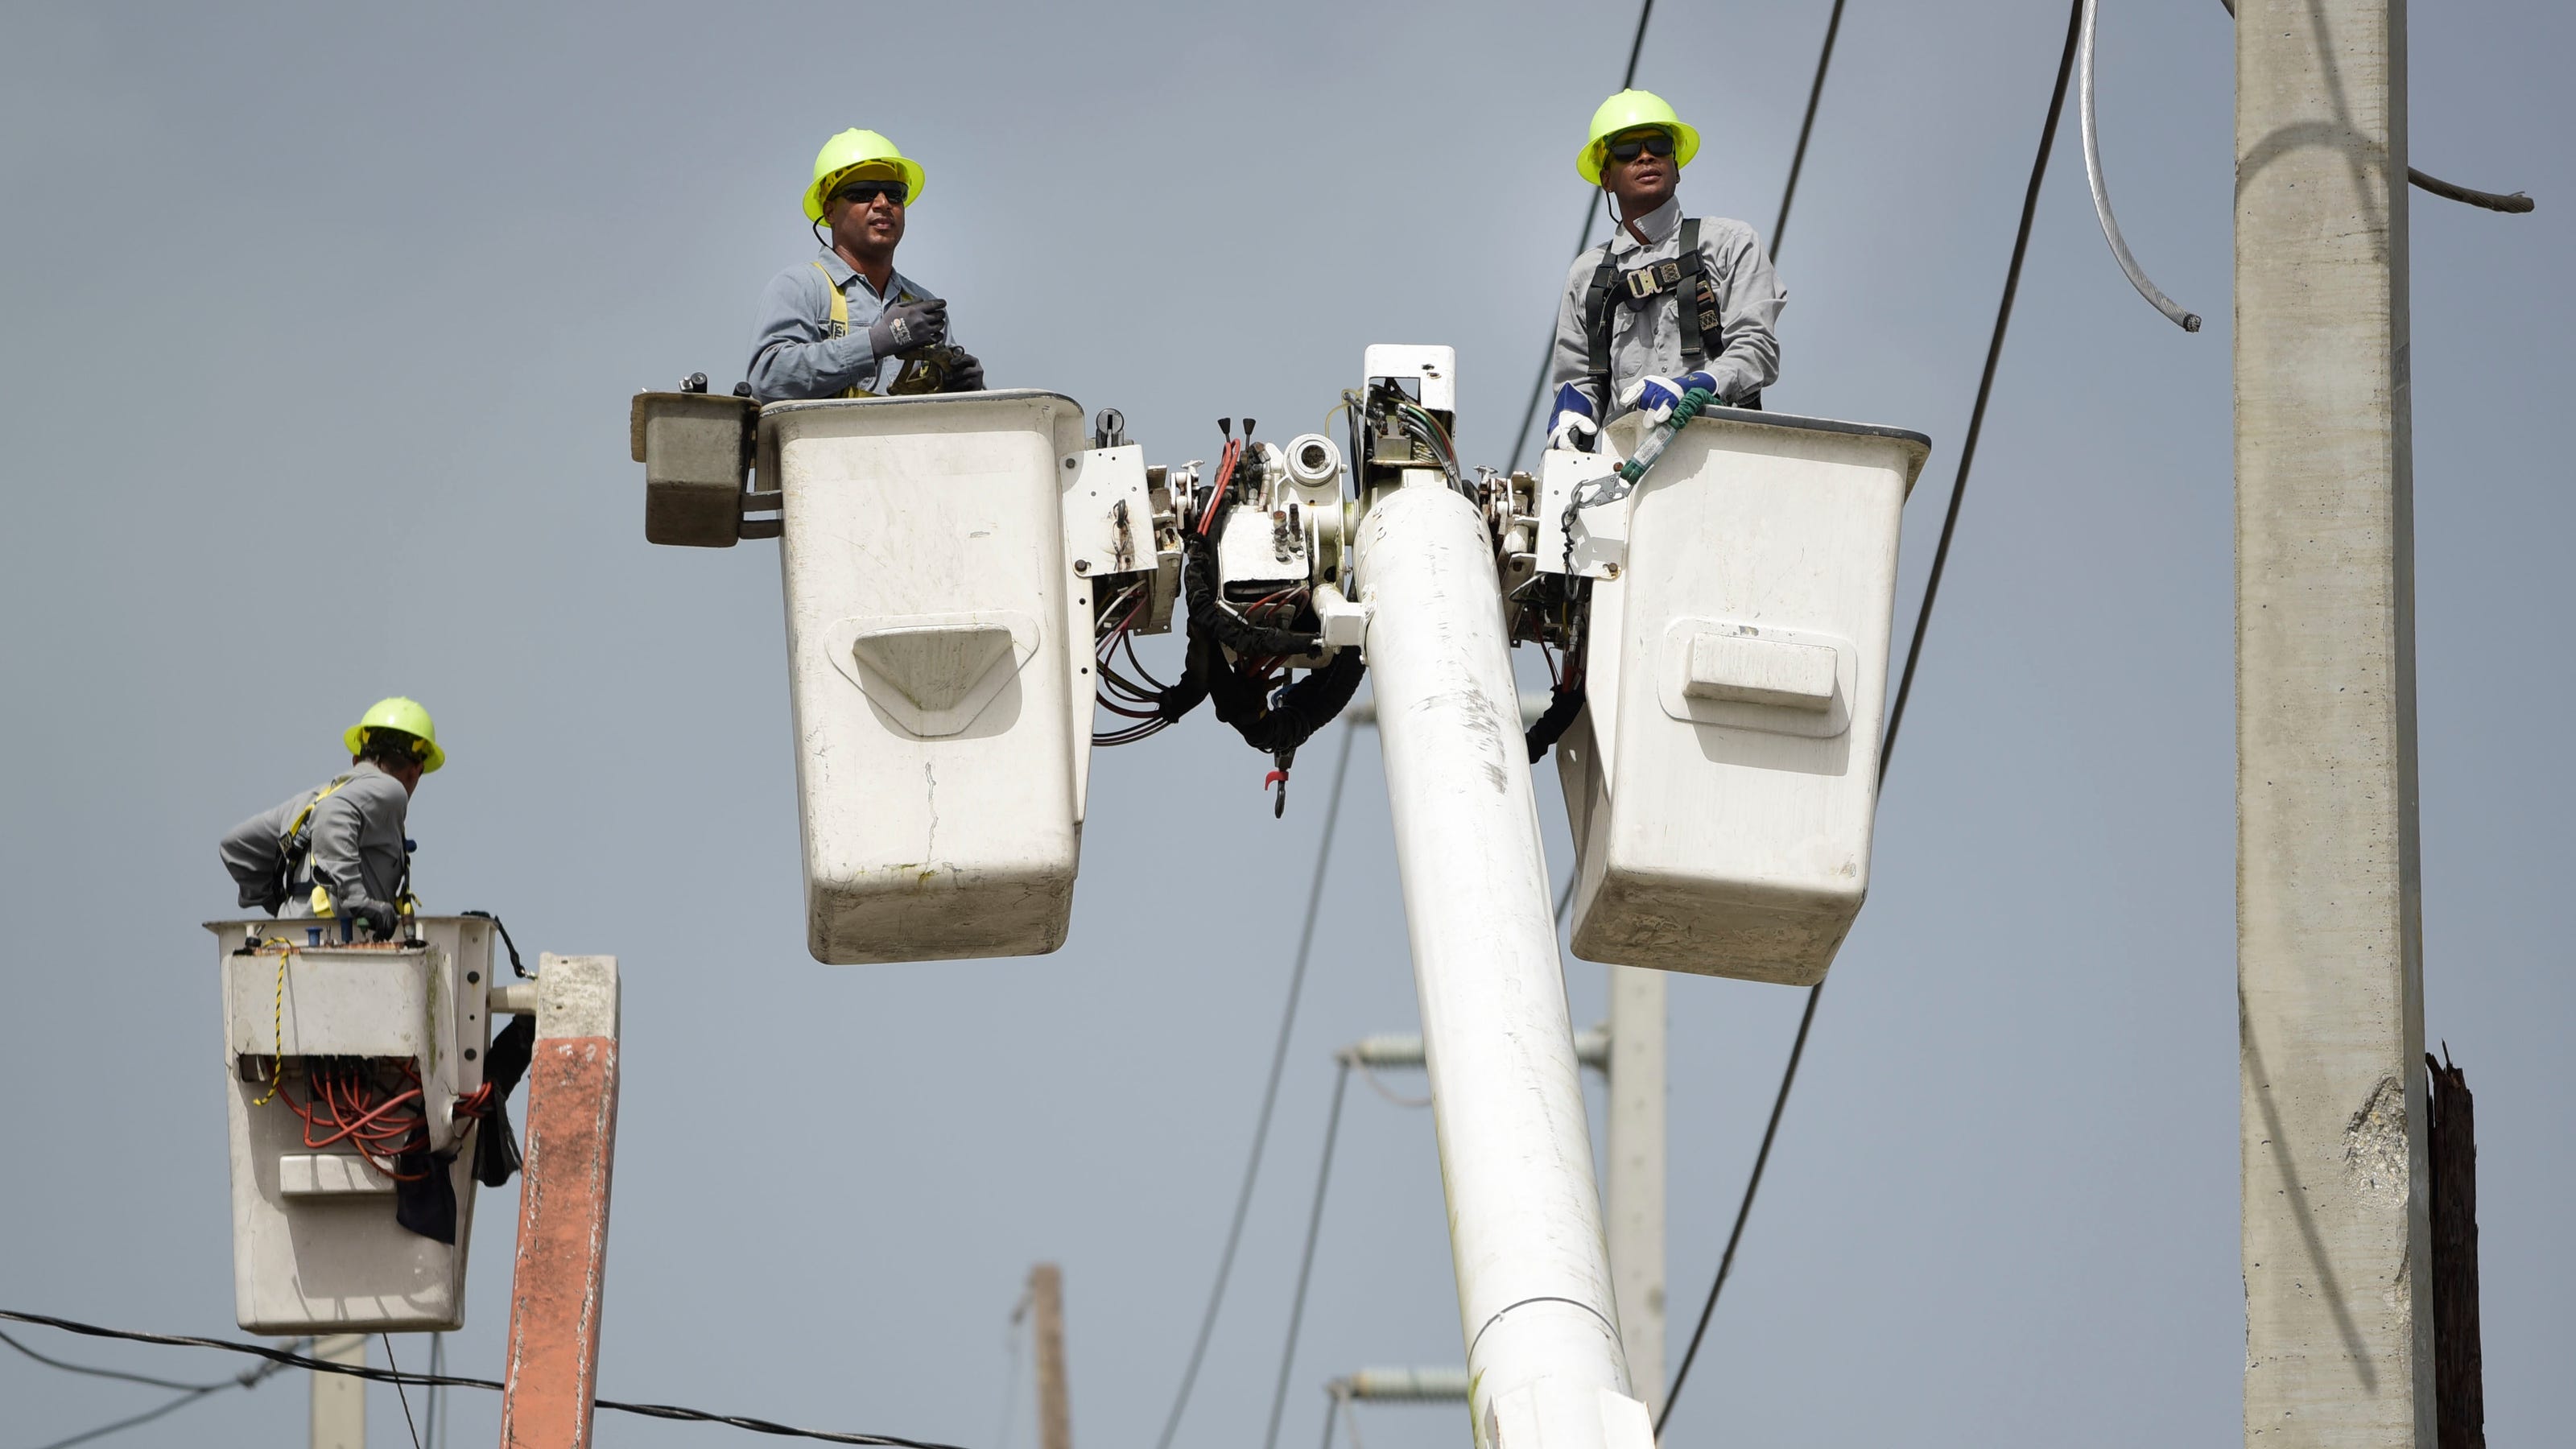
(321, 897)
(840, 321)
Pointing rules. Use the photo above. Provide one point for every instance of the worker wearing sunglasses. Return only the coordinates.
(1670, 302)
(847, 324)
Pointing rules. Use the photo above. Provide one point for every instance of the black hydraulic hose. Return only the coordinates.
(1563, 703)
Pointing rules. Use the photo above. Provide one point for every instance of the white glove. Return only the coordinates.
(1656, 397)
(1573, 419)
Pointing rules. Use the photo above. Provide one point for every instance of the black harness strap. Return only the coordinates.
(1699, 318)
(1596, 326)
(1692, 318)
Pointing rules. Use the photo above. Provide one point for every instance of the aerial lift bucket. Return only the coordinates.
(316, 1031)
(939, 665)
(1722, 782)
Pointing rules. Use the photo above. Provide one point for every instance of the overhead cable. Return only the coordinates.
(400, 1395)
(2514, 202)
(1806, 128)
(1269, 1097)
(188, 1393)
(1905, 684)
(1582, 240)
(2180, 316)
(286, 1359)
(1306, 1262)
(145, 1379)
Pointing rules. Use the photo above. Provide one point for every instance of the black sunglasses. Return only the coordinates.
(1656, 144)
(860, 193)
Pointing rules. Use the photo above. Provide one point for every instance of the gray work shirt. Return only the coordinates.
(357, 845)
(796, 355)
(1646, 340)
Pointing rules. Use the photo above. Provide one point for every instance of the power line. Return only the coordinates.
(1306, 1263)
(1905, 685)
(145, 1379)
(399, 1394)
(1582, 239)
(1806, 128)
(132, 1421)
(188, 1393)
(286, 1359)
(1269, 1096)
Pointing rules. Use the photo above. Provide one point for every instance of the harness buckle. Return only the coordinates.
(1642, 283)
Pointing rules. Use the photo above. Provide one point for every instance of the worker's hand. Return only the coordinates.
(1572, 421)
(1656, 397)
(375, 915)
(908, 325)
(966, 374)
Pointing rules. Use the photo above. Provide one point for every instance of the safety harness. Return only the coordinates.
(841, 318)
(1643, 286)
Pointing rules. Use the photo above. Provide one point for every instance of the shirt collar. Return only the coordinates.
(841, 272)
(1656, 224)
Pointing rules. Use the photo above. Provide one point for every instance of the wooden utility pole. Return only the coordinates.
(2337, 1242)
(1046, 1303)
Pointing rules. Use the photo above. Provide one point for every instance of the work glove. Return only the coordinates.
(1572, 421)
(376, 916)
(1656, 397)
(966, 374)
(905, 326)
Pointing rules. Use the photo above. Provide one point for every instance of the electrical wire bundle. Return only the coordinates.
(1420, 425)
(1133, 692)
(343, 1105)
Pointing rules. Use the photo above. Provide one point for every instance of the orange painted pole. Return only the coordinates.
(553, 1361)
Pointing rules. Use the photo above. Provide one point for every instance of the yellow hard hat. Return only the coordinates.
(398, 713)
(851, 151)
(1625, 112)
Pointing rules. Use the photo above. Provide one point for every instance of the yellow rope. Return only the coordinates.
(277, 1024)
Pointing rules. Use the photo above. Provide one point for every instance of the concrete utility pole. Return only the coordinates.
(551, 1368)
(1635, 1186)
(1046, 1304)
(1535, 1300)
(2337, 1245)
(340, 1400)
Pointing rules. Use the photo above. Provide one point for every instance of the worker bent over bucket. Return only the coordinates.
(1669, 303)
(338, 849)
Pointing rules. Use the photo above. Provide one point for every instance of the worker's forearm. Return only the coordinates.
(800, 370)
(1747, 366)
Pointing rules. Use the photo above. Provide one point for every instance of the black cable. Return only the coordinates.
(146, 1417)
(287, 1359)
(398, 1391)
(1582, 240)
(2447, 190)
(1306, 1263)
(516, 969)
(1806, 128)
(1269, 1098)
(145, 1379)
(1905, 686)
(188, 1393)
